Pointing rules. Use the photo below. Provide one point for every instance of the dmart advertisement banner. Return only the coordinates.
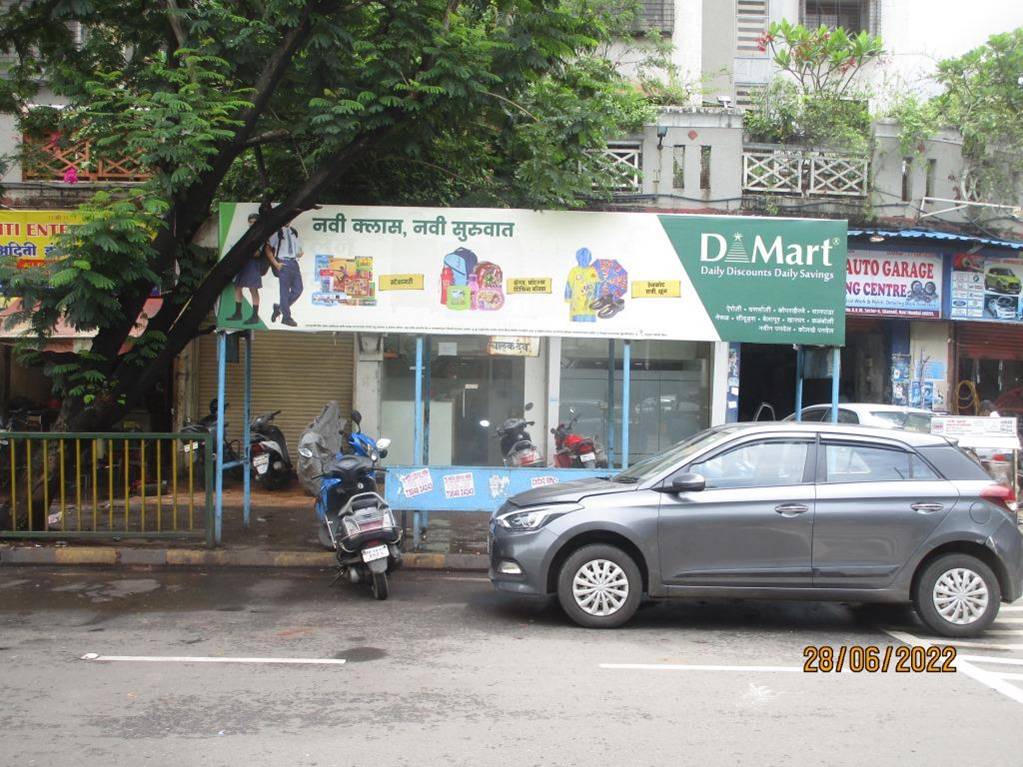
(501, 272)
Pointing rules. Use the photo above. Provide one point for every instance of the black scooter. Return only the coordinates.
(517, 447)
(268, 451)
(195, 456)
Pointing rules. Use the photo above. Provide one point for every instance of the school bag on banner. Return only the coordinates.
(462, 262)
(490, 286)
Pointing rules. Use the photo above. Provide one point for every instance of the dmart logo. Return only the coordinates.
(776, 252)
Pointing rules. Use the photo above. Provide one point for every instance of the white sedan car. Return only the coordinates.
(869, 414)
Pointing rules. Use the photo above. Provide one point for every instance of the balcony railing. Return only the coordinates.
(806, 172)
(50, 160)
(626, 158)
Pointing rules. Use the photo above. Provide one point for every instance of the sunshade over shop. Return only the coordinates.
(463, 315)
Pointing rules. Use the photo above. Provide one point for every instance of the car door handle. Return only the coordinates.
(926, 508)
(791, 509)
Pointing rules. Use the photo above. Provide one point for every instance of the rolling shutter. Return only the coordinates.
(295, 373)
(989, 341)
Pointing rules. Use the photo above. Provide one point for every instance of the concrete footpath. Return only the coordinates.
(234, 556)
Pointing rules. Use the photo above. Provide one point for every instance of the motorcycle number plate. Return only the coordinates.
(188, 447)
(587, 457)
(261, 463)
(374, 553)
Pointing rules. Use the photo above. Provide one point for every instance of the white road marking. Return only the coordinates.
(987, 678)
(1018, 632)
(1001, 620)
(694, 667)
(1011, 608)
(208, 659)
(1010, 676)
(982, 645)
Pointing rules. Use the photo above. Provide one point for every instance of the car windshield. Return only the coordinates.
(656, 465)
(895, 419)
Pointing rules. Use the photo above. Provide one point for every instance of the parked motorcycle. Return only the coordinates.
(193, 450)
(517, 447)
(268, 451)
(574, 451)
(356, 442)
(355, 521)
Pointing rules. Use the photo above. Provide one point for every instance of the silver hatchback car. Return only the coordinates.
(780, 510)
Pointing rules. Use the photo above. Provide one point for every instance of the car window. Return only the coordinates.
(814, 414)
(656, 465)
(759, 464)
(865, 463)
(847, 416)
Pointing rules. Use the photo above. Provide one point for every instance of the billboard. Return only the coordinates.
(894, 284)
(503, 272)
(986, 288)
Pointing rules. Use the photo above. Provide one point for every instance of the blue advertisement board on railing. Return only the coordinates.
(469, 488)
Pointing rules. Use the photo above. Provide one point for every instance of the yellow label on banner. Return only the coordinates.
(656, 289)
(401, 282)
(529, 285)
(29, 234)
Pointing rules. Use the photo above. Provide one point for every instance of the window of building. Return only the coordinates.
(851, 15)
(705, 152)
(750, 25)
(655, 15)
(678, 168)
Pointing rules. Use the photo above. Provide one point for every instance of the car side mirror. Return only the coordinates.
(684, 483)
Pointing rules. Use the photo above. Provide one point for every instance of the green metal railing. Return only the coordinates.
(106, 485)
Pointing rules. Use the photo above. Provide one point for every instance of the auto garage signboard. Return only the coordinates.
(893, 284)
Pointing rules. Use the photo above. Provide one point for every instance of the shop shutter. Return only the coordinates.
(295, 373)
(857, 323)
(989, 341)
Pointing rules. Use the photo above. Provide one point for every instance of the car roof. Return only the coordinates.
(767, 428)
(871, 407)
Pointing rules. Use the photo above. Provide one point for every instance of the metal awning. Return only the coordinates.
(910, 235)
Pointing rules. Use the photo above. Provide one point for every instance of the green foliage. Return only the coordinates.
(919, 120)
(815, 101)
(983, 97)
(496, 102)
(820, 60)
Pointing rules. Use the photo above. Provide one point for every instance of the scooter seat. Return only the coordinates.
(365, 502)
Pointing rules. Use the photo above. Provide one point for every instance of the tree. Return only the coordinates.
(983, 97)
(429, 101)
(816, 99)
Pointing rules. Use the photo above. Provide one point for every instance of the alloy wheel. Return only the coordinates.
(960, 596)
(600, 587)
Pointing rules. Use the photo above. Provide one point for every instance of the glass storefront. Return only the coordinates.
(670, 395)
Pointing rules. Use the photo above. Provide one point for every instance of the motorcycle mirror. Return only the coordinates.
(305, 452)
(528, 407)
(571, 411)
(374, 456)
(485, 423)
(382, 444)
(554, 431)
(357, 417)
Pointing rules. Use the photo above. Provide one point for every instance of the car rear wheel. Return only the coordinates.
(957, 595)
(599, 586)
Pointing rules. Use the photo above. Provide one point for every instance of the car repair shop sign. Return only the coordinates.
(524, 273)
(893, 284)
(986, 288)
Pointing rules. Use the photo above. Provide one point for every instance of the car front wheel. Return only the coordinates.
(957, 595)
(599, 586)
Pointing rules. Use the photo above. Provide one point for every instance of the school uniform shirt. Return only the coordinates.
(580, 291)
(289, 248)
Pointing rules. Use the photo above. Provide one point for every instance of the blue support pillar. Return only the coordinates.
(246, 416)
(626, 392)
(836, 375)
(611, 403)
(218, 465)
(417, 441)
(799, 383)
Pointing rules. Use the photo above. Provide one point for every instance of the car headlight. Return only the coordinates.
(534, 517)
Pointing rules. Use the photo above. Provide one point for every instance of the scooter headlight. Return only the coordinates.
(534, 517)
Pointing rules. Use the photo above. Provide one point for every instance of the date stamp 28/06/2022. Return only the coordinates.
(873, 659)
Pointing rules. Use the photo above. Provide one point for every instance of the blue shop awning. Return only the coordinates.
(921, 235)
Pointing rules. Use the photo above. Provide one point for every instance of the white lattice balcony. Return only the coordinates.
(771, 169)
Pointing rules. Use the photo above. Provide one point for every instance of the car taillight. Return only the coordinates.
(1002, 496)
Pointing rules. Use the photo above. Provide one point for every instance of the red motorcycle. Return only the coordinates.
(573, 451)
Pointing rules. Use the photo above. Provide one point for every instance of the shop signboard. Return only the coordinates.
(30, 235)
(986, 288)
(500, 272)
(893, 284)
(978, 432)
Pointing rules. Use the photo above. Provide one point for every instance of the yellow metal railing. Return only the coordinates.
(68, 485)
